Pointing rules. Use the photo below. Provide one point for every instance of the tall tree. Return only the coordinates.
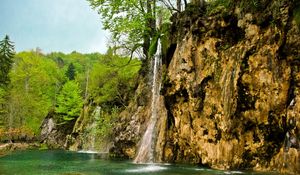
(6, 54)
(71, 72)
(131, 22)
(69, 102)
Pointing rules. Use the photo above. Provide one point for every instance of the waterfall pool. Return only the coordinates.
(58, 162)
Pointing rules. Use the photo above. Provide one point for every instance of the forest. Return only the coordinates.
(38, 83)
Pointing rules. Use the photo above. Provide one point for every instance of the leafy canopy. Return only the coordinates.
(34, 84)
(69, 101)
(126, 20)
(132, 23)
(111, 83)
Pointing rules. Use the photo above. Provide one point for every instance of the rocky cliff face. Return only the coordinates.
(231, 92)
(53, 134)
(84, 136)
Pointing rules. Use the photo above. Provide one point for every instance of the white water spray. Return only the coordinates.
(146, 150)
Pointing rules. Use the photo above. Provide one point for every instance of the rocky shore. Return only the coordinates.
(6, 148)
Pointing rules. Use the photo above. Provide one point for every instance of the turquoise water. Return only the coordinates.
(34, 162)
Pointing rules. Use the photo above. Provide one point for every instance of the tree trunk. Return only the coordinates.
(150, 26)
(10, 121)
(87, 84)
(179, 5)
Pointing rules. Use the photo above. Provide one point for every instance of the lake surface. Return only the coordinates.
(57, 162)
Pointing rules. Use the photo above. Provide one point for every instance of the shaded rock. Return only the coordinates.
(54, 135)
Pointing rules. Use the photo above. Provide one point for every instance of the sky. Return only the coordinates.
(52, 25)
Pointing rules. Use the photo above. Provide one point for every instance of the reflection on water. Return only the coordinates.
(146, 169)
(36, 162)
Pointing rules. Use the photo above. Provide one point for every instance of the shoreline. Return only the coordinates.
(6, 148)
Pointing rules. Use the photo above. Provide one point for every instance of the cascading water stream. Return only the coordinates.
(146, 150)
(91, 132)
(96, 115)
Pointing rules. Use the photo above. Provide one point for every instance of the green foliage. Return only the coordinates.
(69, 101)
(126, 20)
(3, 93)
(39, 84)
(71, 72)
(296, 15)
(34, 83)
(251, 6)
(112, 80)
(153, 45)
(3, 111)
(106, 122)
(132, 23)
(218, 6)
(6, 55)
(43, 146)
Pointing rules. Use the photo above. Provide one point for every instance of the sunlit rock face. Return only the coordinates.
(230, 92)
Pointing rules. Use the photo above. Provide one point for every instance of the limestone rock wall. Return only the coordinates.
(230, 92)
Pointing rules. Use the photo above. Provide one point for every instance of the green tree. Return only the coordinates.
(111, 84)
(35, 81)
(69, 102)
(131, 22)
(71, 73)
(3, 100)
(6, 55)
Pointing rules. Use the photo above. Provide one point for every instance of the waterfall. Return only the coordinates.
(95, 116)
(90, 133)
(146, 150)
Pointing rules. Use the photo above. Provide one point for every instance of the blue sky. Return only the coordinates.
(52, 25)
